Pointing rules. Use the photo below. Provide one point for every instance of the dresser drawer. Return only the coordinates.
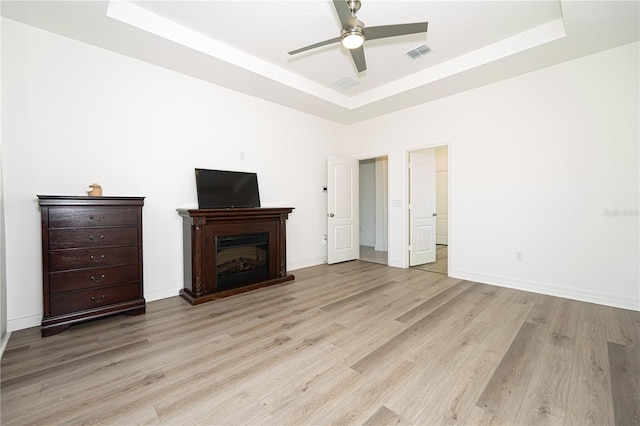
(94, 298)
(89, 258)
(72, 217)
(83, 279)
(92, 237)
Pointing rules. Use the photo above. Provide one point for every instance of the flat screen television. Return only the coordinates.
(222, 189)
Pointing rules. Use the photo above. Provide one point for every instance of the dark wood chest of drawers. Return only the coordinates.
(91, 259)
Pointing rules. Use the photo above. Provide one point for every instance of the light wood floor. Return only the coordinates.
(368, 254)
(441, 264)
(353, 343)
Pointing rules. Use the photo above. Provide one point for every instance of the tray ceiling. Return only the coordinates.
(243, 45)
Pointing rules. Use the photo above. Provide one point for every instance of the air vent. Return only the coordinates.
(345, 83)
(418, 51)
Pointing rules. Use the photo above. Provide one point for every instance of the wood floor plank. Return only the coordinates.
(624, 365)
(426, 383)
(366, 400)
(590, 397)
(141, 416)
(81, 399)
(359, 297)
(172, 405)
(479, 417)
(406, 340)
(426, 349)
(458, 395)
(251, 414)
(458, 392)
(545, 402)
(307, 409)
(506, 389)
(71, 365)
(433, 303)
(620, 327)
(168, 407)
(314, 374)
(385, 416)
(403, 299)
(449, 350)
(124, 368)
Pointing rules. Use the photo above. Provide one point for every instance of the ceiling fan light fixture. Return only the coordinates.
(353, 39)
(353, 35)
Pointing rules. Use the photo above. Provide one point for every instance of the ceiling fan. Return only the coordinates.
(354, 33)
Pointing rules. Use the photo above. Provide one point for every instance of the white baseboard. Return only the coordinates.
(306, 263)
(22, 323)
(162, 294)
(551, 290)
(396, 263)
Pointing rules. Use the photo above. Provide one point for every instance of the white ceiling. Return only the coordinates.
(243, 45)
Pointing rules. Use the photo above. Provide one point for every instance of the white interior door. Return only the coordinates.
(422, 205)
(343, 239)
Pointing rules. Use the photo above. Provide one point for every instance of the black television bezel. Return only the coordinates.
(200, 186)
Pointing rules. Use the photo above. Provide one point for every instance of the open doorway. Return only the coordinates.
(430, 190)
(373, 199)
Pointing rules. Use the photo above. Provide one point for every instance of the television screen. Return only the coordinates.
(222, 189)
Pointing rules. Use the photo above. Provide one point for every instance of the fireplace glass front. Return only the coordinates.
(241, 259)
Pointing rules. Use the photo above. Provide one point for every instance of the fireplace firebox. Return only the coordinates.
(228, 251)
(241, 259)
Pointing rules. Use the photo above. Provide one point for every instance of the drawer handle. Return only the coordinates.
(92, 238)
(93, 299)
(97, 279)
(92, 217)
(97, 259)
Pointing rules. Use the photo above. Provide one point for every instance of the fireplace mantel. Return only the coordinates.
(202, 228)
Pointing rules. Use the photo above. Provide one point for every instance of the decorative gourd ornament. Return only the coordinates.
(94, 190)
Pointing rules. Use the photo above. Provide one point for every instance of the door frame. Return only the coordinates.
(406, 189)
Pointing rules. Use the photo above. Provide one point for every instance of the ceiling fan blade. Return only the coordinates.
(344, 13)
(384, 31)
(313, 46)
(358, 58)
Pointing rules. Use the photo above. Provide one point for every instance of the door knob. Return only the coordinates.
(331, 215)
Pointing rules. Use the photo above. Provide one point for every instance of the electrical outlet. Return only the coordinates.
(519, 255)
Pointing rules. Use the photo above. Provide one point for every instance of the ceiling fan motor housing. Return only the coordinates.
(354, 5)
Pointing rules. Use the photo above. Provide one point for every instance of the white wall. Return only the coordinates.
(546, 163)
(74, 114)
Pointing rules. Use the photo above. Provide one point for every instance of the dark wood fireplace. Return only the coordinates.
(228, 251)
